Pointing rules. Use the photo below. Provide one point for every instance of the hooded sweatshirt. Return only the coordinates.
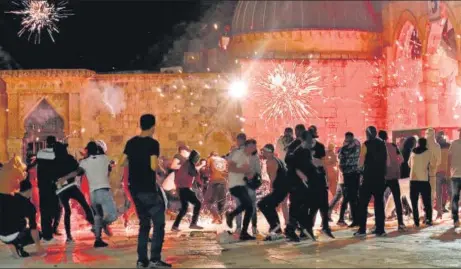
(349, 157)
(420, 161)
(434, 149)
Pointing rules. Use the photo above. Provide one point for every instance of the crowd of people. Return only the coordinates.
(302, 174)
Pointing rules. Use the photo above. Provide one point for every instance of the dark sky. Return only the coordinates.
(102, 35)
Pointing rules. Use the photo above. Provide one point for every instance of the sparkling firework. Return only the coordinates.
(40, 15)
(288, 92)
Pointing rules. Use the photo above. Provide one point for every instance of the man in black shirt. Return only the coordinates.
(373, 158)
(141, 155)
(319, 192)
(15, 212)
(295, 203)
(50, 208)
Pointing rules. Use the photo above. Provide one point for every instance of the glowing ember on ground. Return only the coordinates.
(40, 15)
(288, 92)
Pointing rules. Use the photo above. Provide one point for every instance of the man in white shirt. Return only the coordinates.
(454, 163)
(239, 167)
(96, 168)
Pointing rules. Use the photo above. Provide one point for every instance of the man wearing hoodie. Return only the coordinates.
(420, 159)
(373, 159)
(434, 149)
(349, 165)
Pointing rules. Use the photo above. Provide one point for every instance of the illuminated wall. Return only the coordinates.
(344, 104)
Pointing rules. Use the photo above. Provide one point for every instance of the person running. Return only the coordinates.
(454, 163)
(50, 208)
(318, 190)
(292, 224)
(395, 160)
(67, 169)
(141, 155)
(18, 226)
(420, 160)
(279, 191)
(239, 168)
(217, 187)
(184, 180)
(96, 168)
(373, 159)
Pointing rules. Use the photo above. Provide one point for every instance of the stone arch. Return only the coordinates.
(406, 24)
(3, 122)
(43, 120)
(218, 140)
(52, 105)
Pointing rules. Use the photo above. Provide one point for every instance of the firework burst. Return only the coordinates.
(39, 16)
(286, 93)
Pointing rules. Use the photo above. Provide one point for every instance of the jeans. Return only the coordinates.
(245, 204)
(393, 185)
(351, 190)
(456, 188)
(254, 218)
(340, 192)
(50, 211)
(150, 208)
(268, 206)
(218, 197)
(423, 188)
(75, 194)
(442, 180)
(372, 187)
(187, 196)
(103, 204)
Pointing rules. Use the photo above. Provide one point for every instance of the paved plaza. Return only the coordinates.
(437, 246)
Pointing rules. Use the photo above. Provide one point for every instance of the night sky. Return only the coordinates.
(103, 35)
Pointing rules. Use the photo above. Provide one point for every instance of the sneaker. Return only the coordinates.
(310, 234)
(402, 228)
(195, 227)
(327, 232)
(292, 236)
(158, 264)
(107, 230)
(141, 264)
(100, 244)
(229, 220)
(21, 252)
(341, 223)
(360, 234)
(57, 233)
(246, 236)
(175, 229)
(381, 234)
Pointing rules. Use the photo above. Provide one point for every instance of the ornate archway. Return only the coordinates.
(41, 122)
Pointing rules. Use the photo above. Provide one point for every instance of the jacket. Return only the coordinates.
(434, 149)
(420, 162)
(349, 158)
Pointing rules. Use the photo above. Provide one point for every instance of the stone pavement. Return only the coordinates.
(437, 246)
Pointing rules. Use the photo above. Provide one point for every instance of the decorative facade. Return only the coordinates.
(393, 64)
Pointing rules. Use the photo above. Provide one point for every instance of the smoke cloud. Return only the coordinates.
(192, 36)
(103, 97)
(6, 61)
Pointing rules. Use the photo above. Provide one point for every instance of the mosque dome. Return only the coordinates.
(268, 16)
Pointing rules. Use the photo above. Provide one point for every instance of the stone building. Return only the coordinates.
(393, 64)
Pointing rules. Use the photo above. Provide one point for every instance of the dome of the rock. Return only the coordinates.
(267, 16)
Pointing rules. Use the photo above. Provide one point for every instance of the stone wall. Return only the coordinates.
(190, 109)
